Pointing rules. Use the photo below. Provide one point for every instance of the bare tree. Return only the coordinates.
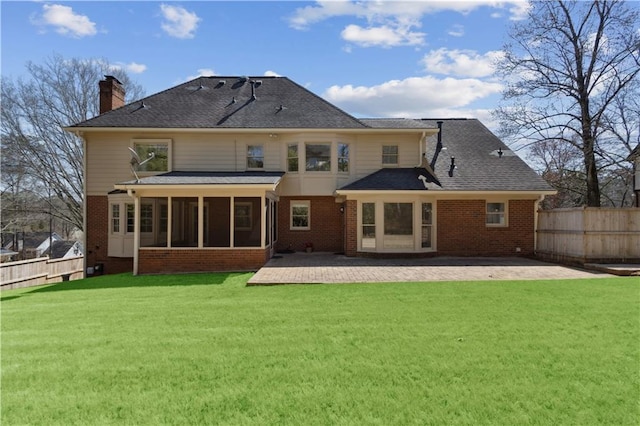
(566, 67)
(57, 93)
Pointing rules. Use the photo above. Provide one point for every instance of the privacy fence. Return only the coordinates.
(589, 234)
(42, 270)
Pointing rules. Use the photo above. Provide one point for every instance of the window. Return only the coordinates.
(255, 157)
(368, 226)
(427, 222)
(160, 150)
(131, 210)
(390, 155)
(243, 216)
(318, 157)
(398, 225)
(343, 157)
(146, 218)
(300, 215)
(496, 214)
(292, 158)
(115, 218)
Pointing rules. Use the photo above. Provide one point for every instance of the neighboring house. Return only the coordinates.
(635, 157)
(7, 255)
(64, 250)
(31, 244)
(240, 168)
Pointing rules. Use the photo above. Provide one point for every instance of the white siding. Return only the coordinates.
(108, 156)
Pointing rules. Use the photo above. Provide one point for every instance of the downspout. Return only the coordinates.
(136, 229)
(423, 152)
(84, 203)
(536, 206)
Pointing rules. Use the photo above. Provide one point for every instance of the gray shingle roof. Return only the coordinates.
(478, 167)
(403, 179)
(227, 102)
(210, 178)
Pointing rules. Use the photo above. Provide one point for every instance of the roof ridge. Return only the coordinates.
(329, 103)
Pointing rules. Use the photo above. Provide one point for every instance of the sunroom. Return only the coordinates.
(195, 221)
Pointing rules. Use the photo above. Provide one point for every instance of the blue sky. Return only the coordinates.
(373, 59)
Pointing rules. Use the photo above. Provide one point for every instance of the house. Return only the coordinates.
(30, 244)
(221, 173)
(64, 250)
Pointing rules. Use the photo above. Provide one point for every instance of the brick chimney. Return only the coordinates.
(111, 94)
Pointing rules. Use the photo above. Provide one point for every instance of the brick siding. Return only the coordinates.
(97, 234)
(326, 233)
(164, 261)
(462, 230)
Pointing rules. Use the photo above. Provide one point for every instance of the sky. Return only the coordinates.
(412, 59)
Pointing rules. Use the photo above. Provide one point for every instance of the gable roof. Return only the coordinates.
(228, 103)
(59, 249)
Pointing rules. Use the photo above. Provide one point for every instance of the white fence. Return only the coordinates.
(42, 270)
(589, 234)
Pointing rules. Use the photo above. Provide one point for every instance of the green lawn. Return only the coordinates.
(196, 349)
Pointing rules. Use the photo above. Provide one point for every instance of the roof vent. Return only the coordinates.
(280, 108)
(221, 83)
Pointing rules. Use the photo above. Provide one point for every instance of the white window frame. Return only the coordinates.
(249, 146)
(343, 158)
(300, 203)
(167, 142)
(505, 214)
(297, 157)
(397, 156)
(330, 157)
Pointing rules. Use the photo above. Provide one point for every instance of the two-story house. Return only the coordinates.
(220, 173)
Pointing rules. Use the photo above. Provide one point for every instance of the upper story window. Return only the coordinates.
(255, 157)
(390, 155)
(292, 157)
(318, 157)
(161, 154)
(496, 214)
(343, 157)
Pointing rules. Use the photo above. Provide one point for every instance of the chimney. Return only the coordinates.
(111, 94)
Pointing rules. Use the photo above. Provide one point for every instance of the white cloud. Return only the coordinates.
(384, 36)
(66, 21)
(201, 72)
(385, 11)
(179, 22)
(133, 67)
(456, 30)
(461, 63)
(413, 97)
(271, 74)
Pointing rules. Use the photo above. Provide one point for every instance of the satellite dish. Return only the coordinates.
(136, 162)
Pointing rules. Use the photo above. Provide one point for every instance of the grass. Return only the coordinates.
(205, 349)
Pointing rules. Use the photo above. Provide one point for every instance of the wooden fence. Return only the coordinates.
(589, 234)
(42, 270)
